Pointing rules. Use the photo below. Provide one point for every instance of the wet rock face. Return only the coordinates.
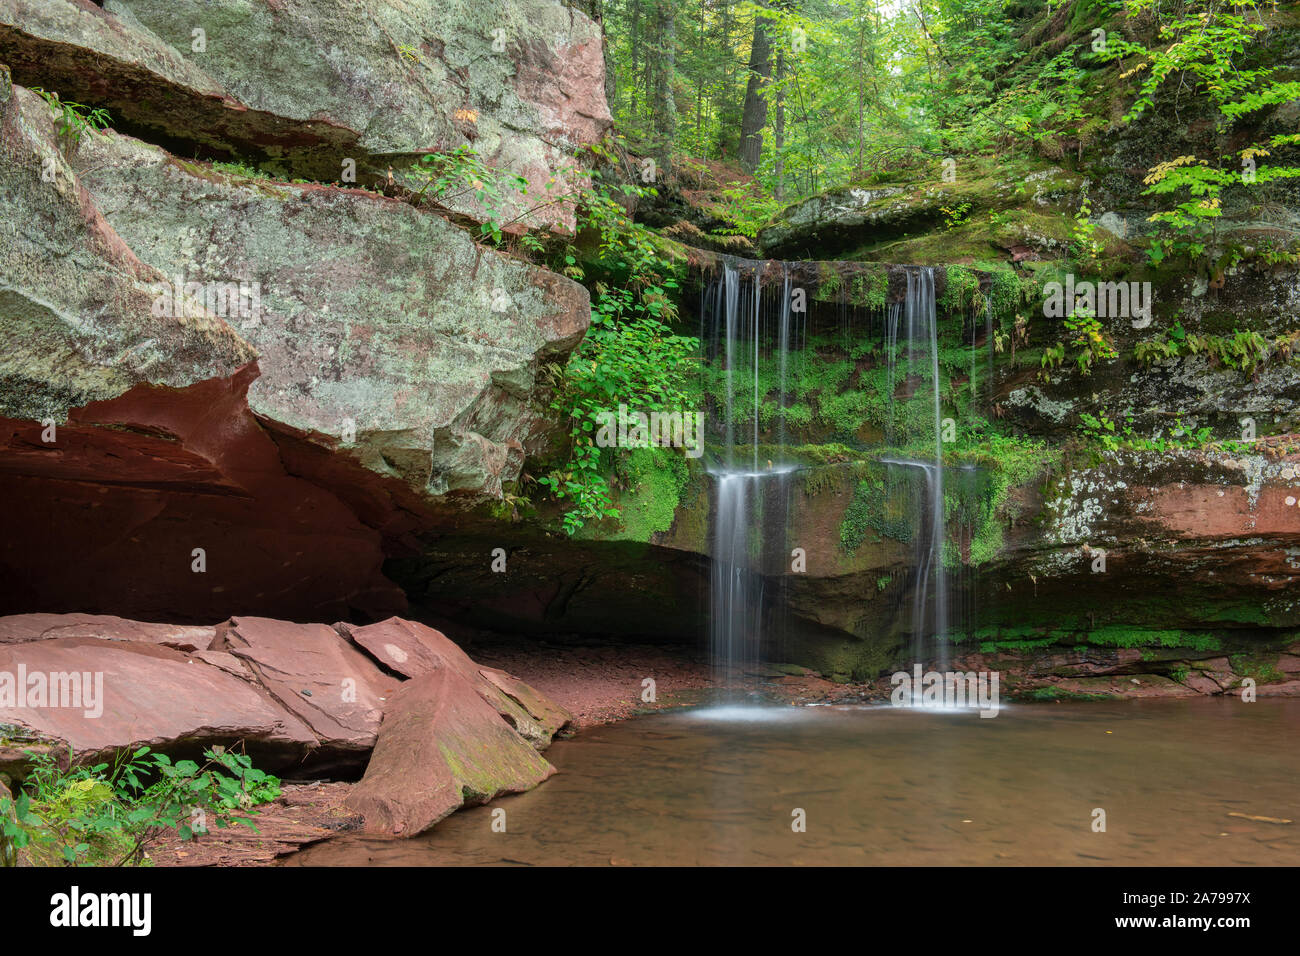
(306, 84)
(1175, 539)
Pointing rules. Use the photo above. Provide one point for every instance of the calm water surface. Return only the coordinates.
(881, 785)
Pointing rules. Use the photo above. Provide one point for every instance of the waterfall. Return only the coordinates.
(921, 348)
(750, 330)
(750, 494)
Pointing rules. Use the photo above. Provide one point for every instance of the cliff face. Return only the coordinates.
(235, 379)
(239, 387)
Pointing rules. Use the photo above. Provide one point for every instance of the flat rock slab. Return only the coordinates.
(413, 650)
(19, 628)
(151, 695)
(442, 746)
(313, 672)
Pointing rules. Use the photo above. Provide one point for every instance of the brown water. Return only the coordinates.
(887, 786)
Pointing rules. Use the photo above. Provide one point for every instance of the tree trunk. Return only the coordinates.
(663, 66)
(778, 128)
(754, 115)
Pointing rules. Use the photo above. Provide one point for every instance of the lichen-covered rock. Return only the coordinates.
(853, 216)
(306, 84)
(76, 303)
(383, 331)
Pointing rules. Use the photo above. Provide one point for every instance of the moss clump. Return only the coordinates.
(1005, 292)
(885, 503)
(1144, 637)
(870, 290)
(652, 481)
(1048, 694)
(962, 292)
(1263, 670)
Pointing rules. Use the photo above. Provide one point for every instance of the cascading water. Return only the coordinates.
(750, 495)
(755, 340)
(920, 350)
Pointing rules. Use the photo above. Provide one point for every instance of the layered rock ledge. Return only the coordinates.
(432, 730)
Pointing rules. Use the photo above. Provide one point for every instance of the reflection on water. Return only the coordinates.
(888, 786)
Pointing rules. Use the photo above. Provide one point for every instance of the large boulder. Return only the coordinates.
(204, 498)
(307, 84)
(18, 628)
(331, 686)
(300, 696)
(76, 303)
(380, 328)
(127, 435)
(442, 746)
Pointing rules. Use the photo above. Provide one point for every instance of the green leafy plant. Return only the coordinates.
(629, 356)
(73, 120)
(112, 814)
(461, 173)
(1204, 48)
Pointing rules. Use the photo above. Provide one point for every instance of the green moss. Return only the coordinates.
(1145, 637)
(962, 292)
(1006, 292)
(1262, 669)
(653, 480)
(1048, 694)
(990, 647)
(885, 503)
(870, 290)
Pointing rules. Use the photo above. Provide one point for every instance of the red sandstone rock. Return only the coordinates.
(313, 672)
(133, 485)
(151, 695)
(19, 628)
(442, 746)
(413, 650)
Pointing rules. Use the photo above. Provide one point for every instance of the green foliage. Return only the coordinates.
(1204, 49)
(1117, 636)
(1087, 343)
(113, 813)
(1110, 435)
(1243, 350)
(242, 170)
(884, 503)
(73, 120)
(962, 293)
(630, 355)
(745, 209)
(462, 173)
(654, 479)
